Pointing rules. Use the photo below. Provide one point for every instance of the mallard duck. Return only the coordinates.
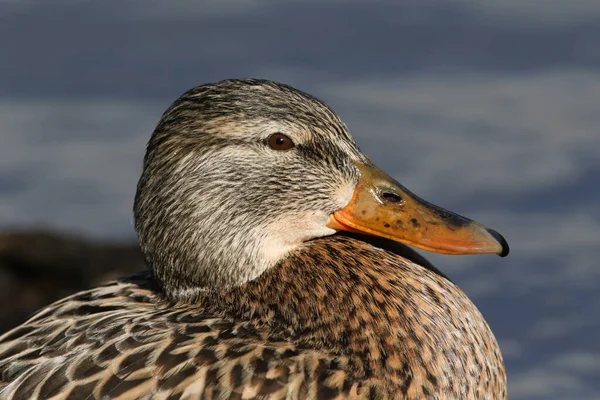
(253, 289)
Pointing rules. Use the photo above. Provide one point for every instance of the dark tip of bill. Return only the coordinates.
(501, 240)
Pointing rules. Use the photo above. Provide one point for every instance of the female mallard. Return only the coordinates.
(251, 295)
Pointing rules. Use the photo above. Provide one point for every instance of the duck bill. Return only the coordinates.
(380, 206)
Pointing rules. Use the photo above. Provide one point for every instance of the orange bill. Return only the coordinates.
(382, 207)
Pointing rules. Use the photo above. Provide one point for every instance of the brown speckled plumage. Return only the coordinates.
(340, 317)
(336, 317)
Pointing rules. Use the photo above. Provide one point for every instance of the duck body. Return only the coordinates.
(253, 291)
(337, 319)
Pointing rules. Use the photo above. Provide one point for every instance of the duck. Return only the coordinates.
(280, 266)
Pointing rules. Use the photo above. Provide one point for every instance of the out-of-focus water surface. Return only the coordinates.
(490, 109)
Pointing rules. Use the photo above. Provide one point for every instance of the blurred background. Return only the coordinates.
(490, 109)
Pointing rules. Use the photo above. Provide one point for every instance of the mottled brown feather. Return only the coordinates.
(339, 318)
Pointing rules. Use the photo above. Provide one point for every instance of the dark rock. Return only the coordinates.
(39, 267)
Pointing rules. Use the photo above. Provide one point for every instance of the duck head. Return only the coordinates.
(239, 173)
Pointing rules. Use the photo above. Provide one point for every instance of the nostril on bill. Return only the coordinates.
(391, 198)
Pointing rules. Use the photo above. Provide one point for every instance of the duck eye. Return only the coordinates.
(278, 141)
